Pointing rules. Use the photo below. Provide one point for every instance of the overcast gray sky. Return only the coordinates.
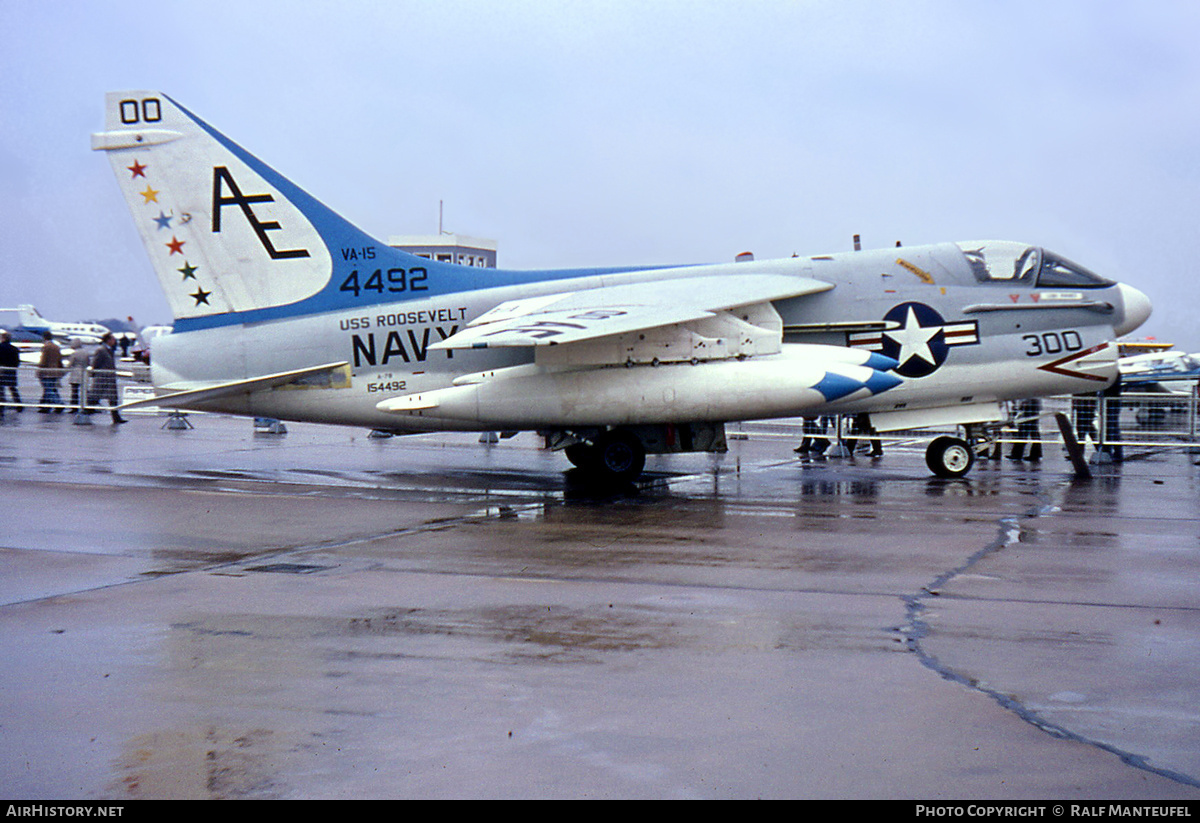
(623, 133)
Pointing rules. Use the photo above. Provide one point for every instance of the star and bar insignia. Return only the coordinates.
(918, 338)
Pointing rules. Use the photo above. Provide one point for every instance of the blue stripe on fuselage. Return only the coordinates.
(337, 233)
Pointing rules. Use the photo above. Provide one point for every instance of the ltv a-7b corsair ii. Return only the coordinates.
(285, 310)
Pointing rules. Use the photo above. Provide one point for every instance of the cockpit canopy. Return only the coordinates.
(1016, 264)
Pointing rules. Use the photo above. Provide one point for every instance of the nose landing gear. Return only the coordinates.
(949, 457)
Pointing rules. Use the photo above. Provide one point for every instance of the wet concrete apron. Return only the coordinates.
(214, 614)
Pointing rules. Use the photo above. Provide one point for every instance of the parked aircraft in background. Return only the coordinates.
(29, 325)
(285, 310)
(1160, 365)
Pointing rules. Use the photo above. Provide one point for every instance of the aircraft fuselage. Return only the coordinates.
(960, 341)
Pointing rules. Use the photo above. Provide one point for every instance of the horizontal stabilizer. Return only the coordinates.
(190, 397)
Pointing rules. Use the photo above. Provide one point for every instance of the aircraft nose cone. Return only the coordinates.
(1137, 309)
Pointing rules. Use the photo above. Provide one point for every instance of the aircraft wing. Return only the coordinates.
(572, 317)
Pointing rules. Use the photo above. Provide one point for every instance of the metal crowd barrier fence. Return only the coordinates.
(1151, 419)
(1161, 415)
(1166, 416)
(26, 389)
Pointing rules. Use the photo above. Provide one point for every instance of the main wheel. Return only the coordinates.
(581, 455)
(949, 457)
(619, 455)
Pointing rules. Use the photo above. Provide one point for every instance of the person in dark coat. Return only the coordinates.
(1111, 415)
(50, 371)
(862, 426)
(10, 361)
(1083, 409)
(104, 376)
(1029, 430)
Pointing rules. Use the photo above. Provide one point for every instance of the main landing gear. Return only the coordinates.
(618, 454)
(615, 455)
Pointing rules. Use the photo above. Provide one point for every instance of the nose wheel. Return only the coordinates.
(949, 457)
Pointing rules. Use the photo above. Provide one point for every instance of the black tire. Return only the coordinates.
(581, 455)
(619, 455)
(949, 457)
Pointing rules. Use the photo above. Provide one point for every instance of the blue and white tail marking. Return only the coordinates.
(223, 234)
(233, 241)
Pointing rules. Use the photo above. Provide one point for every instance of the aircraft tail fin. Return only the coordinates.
(29, 316)
(230, 239)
